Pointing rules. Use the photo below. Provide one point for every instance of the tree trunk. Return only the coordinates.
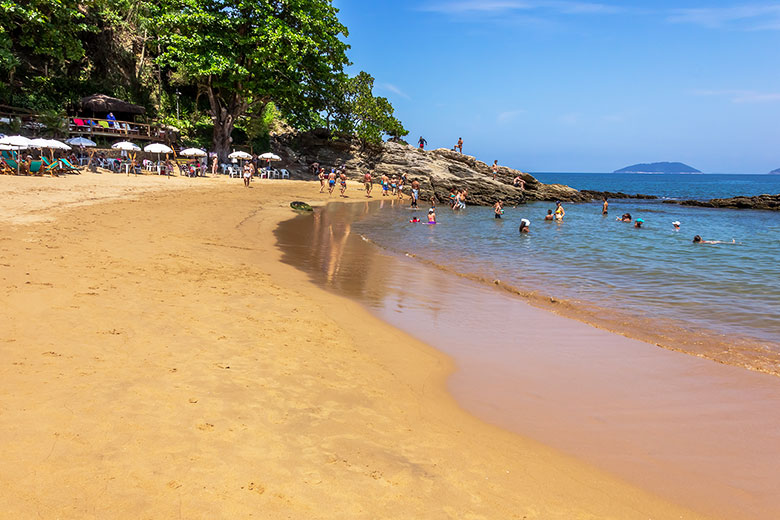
(221, 140)
(224, 118)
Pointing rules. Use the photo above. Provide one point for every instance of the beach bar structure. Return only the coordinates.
(90, 118)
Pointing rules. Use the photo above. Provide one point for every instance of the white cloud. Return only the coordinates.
(392, 88)
(509, 115)
(746, 17)
(498, 7)
(742, 96)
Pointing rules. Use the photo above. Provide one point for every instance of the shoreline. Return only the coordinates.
(170, 379)
(629, 398)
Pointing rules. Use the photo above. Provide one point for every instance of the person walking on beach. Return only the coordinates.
(422, 142)
(460, 145)
(559, 212)
(604, 207)
(415, 192)
(394, 186)
(367, 183)
(331, 181)
(385, 184)
(247, 174)
(495, 169)
(498, 209)
(343, 179)
(321, 177)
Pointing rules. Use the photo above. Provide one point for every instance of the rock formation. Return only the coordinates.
(770, 202)
(438, 171)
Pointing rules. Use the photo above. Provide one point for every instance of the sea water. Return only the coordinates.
(596, 261)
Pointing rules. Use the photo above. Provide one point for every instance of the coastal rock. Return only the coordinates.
(438, 170)
(599, 195)
(769, 202)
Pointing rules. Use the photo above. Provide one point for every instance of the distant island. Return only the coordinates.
(775, 172)
(658, 167)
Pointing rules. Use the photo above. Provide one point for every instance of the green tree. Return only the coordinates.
(358, 112)
(243, 54)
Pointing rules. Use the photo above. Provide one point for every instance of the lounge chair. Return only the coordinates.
(285, 173)
(50, 167)
(5, 169)
(36, 168)
(67, 167)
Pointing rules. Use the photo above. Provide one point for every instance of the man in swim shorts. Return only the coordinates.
(415, 192)
(343, 180)
(495, 169)
(385, 185)
(422, 142)
(331, 181)
(460, 145)
(367, 183)
(498, 209)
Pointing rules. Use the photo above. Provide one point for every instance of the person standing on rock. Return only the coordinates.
(495, 169)
(422, 142)
(460, 144)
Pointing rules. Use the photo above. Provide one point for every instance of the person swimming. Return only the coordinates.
(559, 212)
(432, 216)
(524, 226)
(676, 225)
(626, 217)
(549, 215)
(698, 240)
(638, 223)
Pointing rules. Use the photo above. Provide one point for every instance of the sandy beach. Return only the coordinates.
(160, 361)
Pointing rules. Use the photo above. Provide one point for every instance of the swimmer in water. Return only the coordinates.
(498, 209)
(698, 240)
(559, 213)
(524, 223)
(626, 217)
(431, 216)
(638, 223)
(605, 207)
(676, 225)
(549, 215)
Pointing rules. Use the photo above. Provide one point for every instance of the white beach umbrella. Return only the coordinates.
(39, 143)
(240, 155)
(80, 141)
(157, 148)
(18, 141)
(58, 145)
(127, 146)
(193, 152)
(270, 156)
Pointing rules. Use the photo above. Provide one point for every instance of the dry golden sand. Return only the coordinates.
(157, 360)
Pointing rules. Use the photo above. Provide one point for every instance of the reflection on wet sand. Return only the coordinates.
(696, 432)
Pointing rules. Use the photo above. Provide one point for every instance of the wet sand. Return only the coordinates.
(700, 433)
(159, 361)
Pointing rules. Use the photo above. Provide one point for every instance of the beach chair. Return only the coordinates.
(50, 167)
(285, 173)
(36, 168)
(67, 167)
(5, 169)
(13, 165)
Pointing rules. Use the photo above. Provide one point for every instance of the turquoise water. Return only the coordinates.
(653, 272)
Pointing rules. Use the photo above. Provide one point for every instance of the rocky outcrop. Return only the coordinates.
(770, 202)
(438, 171)
(599, 195)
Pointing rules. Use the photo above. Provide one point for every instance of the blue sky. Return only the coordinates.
(579, 86)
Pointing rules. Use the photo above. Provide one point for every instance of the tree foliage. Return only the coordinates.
(358, 112)
(220, 61)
